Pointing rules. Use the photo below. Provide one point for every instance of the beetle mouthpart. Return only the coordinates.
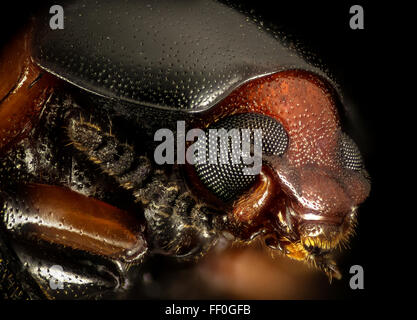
(332, 271)
(327, 265)
(326, 235)
(313, 217)
(318, 245)
(314, 253)
(309, 242)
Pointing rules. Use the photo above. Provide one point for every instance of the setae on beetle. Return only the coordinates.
(83, 200)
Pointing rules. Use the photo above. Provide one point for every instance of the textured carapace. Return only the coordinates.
(159, 61)
(319, 180)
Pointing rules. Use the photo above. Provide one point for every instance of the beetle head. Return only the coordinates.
(306, 197)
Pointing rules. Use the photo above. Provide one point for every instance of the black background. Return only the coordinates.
(357, 60)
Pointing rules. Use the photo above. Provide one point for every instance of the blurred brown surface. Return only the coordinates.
(237, 272)
(253, 273)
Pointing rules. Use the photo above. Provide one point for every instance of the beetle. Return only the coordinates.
(79, 111)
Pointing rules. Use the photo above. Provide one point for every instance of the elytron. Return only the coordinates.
(79, 108)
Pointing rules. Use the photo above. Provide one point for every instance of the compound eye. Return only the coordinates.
(225, 172)
(350, 154)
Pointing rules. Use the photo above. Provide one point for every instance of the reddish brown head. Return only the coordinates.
(305, 199)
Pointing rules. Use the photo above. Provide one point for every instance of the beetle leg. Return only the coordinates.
(65, 218)
(179, 225)
(83, 243)
(114, 158)
(67, 274)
